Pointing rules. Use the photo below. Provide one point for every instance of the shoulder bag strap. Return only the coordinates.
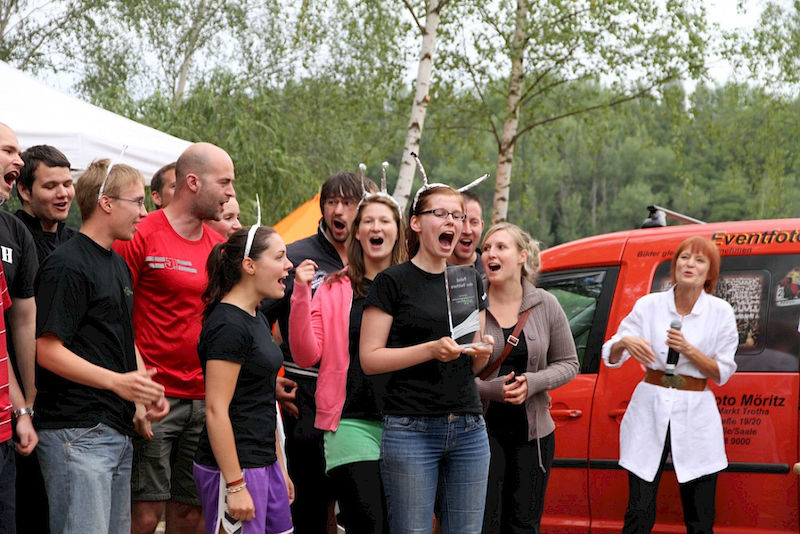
(511, 342)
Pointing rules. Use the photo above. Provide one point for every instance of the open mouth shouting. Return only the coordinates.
(10, 177)
(446, 240)
(493, 266)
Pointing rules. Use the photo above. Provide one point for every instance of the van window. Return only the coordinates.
(764, 292)
(585, 297)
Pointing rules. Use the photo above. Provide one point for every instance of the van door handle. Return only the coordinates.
(616, 414)
(572, 414)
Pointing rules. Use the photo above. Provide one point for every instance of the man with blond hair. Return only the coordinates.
(89, 377)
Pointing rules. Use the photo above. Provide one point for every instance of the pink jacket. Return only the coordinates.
(321, 327)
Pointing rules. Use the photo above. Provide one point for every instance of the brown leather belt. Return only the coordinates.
(690, 383)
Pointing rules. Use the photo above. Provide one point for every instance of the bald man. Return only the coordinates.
(167, 258)
(12, 401)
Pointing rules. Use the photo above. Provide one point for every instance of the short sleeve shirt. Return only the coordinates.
(233, 335)
(417, 302)
(169, 277)
(18, 254)
(84, 297)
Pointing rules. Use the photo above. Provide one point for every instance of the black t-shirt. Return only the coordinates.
(18, 253)
(233, 335)
(84, 296)
(361, 402)
(509, 422)
(46, 242)
(417, 301)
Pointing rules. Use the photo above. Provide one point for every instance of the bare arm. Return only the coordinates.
(134, 386)
(28, 439)
(221, 379)
(377, 358)
(279, 453)
(22, 324)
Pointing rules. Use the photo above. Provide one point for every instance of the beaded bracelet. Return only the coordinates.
(236, 489)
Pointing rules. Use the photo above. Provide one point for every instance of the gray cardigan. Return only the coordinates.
(546, 333)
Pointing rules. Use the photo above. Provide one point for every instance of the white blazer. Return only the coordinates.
(697, 443)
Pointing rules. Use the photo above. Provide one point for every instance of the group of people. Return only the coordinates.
(157, 374)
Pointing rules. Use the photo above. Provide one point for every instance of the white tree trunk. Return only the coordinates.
(405, 179)
(192, 41)
(505, 155)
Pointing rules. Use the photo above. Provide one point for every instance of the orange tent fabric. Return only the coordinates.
(300, 223)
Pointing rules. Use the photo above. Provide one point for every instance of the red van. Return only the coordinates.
(597, 280)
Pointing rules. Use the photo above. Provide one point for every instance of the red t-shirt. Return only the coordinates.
(5, 365)
(169, 277)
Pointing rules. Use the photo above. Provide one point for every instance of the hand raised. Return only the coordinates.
(304, 273)
(639, 349)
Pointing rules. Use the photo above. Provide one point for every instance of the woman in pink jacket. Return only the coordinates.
(326, 330)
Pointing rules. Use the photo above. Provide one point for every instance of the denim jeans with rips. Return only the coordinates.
(425, 458)
(87, 474)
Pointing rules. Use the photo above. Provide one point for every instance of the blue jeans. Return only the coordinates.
(87, 475)
(426, 457)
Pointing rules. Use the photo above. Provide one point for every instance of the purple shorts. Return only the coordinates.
(266, 487)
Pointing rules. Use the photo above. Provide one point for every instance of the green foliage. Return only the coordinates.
(297, 91)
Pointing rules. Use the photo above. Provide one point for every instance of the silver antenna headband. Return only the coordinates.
(366, 195)
(426, 185)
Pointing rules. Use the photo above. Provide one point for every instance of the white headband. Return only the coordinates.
(251, 234)
(111, 163)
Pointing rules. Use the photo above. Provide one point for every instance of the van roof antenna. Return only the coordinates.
(658, 217)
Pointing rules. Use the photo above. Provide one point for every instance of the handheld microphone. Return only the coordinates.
(672, 354)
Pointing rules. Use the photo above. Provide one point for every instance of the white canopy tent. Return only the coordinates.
(40, 115)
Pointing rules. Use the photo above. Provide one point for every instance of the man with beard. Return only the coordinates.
(467, 249)
(339, 199)
(46, 191)
(167, 258)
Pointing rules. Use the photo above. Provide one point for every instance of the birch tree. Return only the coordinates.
(428, 30)
(632, 46)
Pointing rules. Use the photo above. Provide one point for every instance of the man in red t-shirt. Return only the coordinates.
(167, 258)
(12, 401)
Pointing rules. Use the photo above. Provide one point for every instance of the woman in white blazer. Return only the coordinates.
(672, 409)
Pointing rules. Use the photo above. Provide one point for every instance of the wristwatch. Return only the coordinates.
(27, 410)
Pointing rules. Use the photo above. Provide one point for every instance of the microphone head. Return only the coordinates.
(675, 324)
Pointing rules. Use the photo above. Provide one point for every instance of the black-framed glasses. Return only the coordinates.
(140, 202)
(442, 213)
